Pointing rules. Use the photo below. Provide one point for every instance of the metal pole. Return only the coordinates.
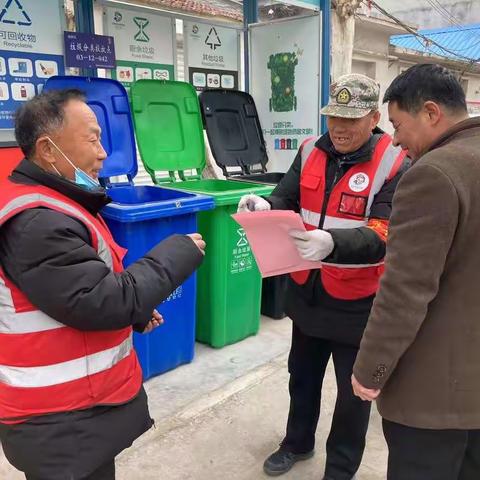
(84, 23)
(325, 70)
(250, 15)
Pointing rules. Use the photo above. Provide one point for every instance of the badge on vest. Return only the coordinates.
(359, 182)
(353, 205)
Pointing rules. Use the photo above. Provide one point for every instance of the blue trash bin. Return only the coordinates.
(139, 217)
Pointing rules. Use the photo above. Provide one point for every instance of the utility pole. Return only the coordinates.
(343, 33)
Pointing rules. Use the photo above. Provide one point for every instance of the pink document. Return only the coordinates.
(271, 244)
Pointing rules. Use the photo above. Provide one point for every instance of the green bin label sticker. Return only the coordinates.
(242, 258)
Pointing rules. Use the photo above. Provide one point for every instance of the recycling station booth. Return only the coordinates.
(169, 131)
(238, 147)
(140, 217)
(282, 62)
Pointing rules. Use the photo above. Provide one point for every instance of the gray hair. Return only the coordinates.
(42, 115)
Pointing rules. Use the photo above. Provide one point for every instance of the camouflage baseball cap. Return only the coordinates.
(352, 96)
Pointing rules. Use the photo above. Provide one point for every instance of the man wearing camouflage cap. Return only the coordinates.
(342, 184)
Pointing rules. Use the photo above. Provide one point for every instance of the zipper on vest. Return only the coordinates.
(328, 189)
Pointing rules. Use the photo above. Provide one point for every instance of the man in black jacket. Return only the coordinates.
(342, 184)
(56, 284)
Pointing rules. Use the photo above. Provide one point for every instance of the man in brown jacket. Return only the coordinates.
(420, 353)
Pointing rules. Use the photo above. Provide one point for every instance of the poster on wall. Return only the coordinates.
(285, 84)
(31, 51)
(144, 45)
(212, 55)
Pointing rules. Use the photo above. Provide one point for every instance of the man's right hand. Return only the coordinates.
(156, 321)
(199, 242)
(252, 203)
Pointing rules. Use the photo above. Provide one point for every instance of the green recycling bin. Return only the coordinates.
(169, 132)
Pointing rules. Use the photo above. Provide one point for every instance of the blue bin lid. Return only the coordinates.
(145, 202)
(109, 100)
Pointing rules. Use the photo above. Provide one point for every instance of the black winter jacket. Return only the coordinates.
(48, 256)
(313, 310)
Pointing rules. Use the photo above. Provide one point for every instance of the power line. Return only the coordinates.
(427, 41)
(469, 34)
(452, 20)
(447, 13)
(443, 12)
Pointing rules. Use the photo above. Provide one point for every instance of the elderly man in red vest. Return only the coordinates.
(71, 395)
(342, 184)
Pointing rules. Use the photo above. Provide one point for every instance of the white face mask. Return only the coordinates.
(81, 178)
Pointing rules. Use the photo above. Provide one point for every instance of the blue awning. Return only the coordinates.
(462, 43)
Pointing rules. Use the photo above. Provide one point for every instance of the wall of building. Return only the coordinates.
(473, 95)
(424, 15)
(371, 58)
(473, 89)
(379, 70)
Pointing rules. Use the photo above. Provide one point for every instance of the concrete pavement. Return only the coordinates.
(219, 417)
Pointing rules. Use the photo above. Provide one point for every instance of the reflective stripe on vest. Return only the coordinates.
(37, 199)
(334, 222)
(313, 219)
(306, 149)
(63, 368)
(48, 375)
(24, 322)
(390, 156)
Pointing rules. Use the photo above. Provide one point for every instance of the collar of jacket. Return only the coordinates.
(29, 173)
(459, 127)
(363, 154)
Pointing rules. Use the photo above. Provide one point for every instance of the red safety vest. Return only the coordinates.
(46, 366)
(348, 207)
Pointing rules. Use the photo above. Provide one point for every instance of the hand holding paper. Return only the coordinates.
(273, 247)
(314, 245)
(252, 203)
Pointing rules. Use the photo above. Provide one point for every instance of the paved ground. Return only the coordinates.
(219, 417)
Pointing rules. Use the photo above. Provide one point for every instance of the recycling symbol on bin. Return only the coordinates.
(243, 242)
(19, 10)
(213, 40)
(141, 35)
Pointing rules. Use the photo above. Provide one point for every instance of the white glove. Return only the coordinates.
(252, 203)
(314, 245)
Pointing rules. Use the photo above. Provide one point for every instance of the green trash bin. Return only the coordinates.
(169, 132)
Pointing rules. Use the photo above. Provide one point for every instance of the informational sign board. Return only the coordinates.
(285, 84)
(31, 50)
(86, 50)
(212, 55)
(144, 44)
